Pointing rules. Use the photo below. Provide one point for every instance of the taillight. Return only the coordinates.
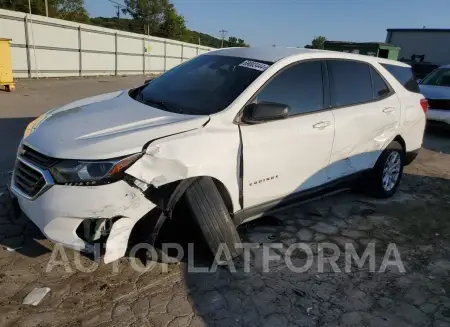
(424, 105)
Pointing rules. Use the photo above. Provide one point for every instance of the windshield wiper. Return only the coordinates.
(138, 96)
(162, 104)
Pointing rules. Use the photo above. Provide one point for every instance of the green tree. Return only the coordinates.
(157, 17)
(71, 10)
(232, 41)
(64, 9)
(318, 42)
(150, 13)
(205, 39)
(37, 6)
(241, 43)
(235, 42)
(174, 25)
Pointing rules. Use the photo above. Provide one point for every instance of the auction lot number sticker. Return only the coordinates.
(254, 65)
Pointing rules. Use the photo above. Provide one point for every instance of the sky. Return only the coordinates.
(297, 22)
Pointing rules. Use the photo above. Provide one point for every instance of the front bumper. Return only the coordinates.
(439, 115)
(60, 210)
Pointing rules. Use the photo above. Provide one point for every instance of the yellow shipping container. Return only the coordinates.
(6, 75)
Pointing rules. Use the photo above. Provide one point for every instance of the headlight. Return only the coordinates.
(91, 172)
(33, 125)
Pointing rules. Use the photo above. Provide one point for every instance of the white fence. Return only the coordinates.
(47, 47)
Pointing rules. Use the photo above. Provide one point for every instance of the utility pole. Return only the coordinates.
(46, 8)
(32, 39)
(223, 33)
(118, 6)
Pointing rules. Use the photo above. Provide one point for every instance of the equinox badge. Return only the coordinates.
(267, 179)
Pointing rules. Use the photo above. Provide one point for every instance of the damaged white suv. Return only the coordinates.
(237, 132)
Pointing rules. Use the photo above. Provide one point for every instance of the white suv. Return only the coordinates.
(237, 132)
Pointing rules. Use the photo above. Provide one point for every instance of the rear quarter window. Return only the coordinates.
(404, 76)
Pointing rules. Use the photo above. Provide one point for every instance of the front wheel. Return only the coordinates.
(213, 218)
(385, 177)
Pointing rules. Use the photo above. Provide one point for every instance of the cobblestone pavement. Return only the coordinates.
(416, 220)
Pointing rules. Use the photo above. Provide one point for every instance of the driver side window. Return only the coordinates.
(299, 86)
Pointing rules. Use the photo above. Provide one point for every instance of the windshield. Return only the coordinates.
(202, 86)
(439, 77)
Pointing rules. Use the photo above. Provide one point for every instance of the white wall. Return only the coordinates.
(435, 45)
(48, 47)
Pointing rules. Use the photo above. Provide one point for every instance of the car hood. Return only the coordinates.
(435, 92)
(104, 127)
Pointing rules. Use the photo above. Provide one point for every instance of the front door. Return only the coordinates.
(288, 155)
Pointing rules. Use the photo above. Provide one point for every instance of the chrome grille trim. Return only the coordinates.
(21, 177)
(38, 159)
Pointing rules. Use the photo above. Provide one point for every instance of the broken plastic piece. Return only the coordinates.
(12, 249)
(141, 185)
(117, 242)
(36, 296)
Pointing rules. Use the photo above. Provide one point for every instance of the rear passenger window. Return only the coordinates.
(404, 75)
(350, 82)
(300, 87)
(380, 88)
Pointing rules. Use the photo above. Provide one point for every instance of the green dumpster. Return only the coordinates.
(375, 49)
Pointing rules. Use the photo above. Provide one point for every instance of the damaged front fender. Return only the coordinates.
(158, 171)
(210, 151)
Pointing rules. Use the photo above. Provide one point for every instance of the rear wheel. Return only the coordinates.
(213, 218)
(385, 177)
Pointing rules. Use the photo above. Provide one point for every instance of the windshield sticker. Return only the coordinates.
(254, 65)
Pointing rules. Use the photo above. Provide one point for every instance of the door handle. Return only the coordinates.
(388, 110)
(322, 125)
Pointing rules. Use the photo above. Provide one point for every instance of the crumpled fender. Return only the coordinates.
(209, 151)
(157, 171)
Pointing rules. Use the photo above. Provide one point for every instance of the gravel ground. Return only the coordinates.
(416, 220)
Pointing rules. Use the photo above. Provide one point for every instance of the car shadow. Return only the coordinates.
(251, 293)
(11, 133)
(274, 295)
(437, 138)
(18, 233)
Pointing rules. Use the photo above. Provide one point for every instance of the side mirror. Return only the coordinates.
(418, 81)
(264, 111)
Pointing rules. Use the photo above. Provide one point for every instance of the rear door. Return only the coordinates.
(288, 155)
(367, 115)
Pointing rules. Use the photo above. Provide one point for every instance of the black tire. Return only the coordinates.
(212, 216)
(375, 179)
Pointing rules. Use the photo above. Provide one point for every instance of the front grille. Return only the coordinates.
(28, 180)
(37, 158)
(439, 104)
